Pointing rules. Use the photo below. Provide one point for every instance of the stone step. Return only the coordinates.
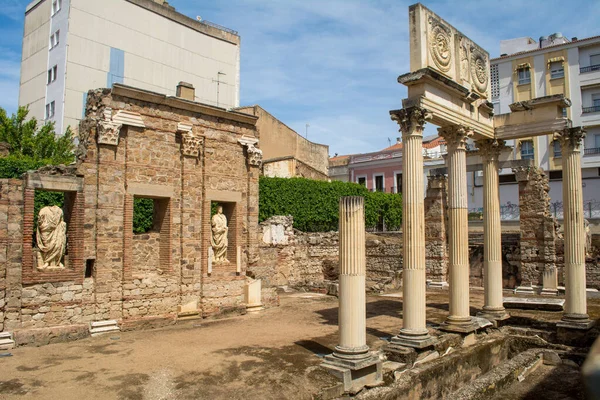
(98, 324)
(6, 341)
(102, 327)
(535, 303)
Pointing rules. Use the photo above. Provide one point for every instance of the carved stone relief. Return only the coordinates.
(254, 154)
(479, 70)
(108, 130)
(440, 39)
(51, 238)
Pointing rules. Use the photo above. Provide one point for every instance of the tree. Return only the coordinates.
(28, 142)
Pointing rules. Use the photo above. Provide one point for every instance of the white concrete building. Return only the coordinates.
(528, 69)
(72, 46)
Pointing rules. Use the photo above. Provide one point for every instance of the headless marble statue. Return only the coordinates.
(51, 238)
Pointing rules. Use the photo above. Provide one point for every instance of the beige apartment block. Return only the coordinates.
(72, 46)
(286, 153)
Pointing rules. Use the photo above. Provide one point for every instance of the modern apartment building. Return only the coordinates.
(381, 171)
(530, 69)
(72, 46)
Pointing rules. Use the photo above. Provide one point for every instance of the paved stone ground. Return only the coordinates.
(271, 355)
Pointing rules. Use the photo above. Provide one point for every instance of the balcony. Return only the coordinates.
(591, 68)
(592, 109)
(591, 151)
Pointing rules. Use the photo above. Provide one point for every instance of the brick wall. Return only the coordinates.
(136, 279)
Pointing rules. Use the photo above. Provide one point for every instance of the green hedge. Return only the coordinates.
(315, 204)
(143, 215)
(13, 167)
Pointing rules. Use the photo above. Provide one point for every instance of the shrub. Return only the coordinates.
(315, 204)
(143, 215)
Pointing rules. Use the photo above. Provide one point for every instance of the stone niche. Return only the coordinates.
(229, 203)
(73, 265)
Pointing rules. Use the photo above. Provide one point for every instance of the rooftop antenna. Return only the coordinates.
(218, 80)
(306, 131)
(389, 142)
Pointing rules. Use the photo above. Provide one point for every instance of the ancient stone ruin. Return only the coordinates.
(86, 265)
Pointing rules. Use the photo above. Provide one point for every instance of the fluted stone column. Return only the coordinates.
(414, 331)
(459, 319)
(352, 353)
(493, 307)
(575, 315)
(352, 312)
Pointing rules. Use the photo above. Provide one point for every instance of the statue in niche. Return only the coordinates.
(218, 239)
(51, 238)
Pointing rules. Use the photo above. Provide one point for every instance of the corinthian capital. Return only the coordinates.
(570, 138)
(490, 149)
(455, 136)
(411, 120)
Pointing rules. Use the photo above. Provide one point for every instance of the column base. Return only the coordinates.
(524, 290)
(499, 314)
(355, 373)
(549, 292)
(254, 308)
(462, 326)
(413, 341)
(575, 321)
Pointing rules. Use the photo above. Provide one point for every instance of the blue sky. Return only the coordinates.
(333, 63)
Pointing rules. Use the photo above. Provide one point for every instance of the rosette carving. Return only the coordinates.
(440, 38)
(479, 70)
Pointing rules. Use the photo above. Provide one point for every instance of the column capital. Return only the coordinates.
(437, 181)
(455, 136)
(570, 138)
(523, 173)
(490, 149)
(411, 120)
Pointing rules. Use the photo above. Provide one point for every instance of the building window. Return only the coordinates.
(398, 183)
(595, 62)
(55, 6)
(495, 81)
(50, 110)
(557, 70)
(596, 100)
(52, 74)
(362, 181)
(524, 76)
(597, 141)
(54, 39)
(379, 186)
(527, 150)
(557, 149)
(555, 175)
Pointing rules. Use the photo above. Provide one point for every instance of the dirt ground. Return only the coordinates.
(274, 354)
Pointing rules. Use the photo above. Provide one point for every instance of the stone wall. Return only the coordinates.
(135, 143)
(146, 252)
(436, 225)
(537, 225)
(297, 259)
(309, 261)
